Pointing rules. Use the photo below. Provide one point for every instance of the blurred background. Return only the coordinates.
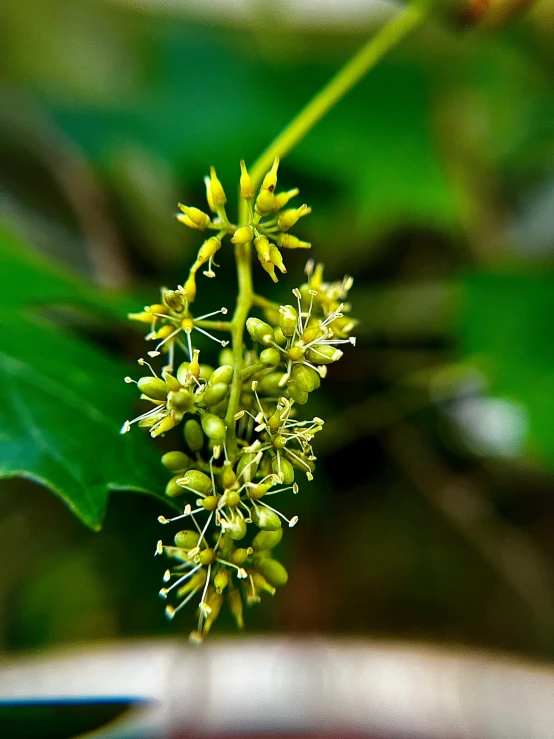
(431, 515)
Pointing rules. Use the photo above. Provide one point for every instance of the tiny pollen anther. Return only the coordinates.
(153, 354)
(162, 519)
(242, 574)
(128, 380)
(224, 311)
(163, 593)
(159, 548)
(125, 428)
(167, 576)
(293, 521)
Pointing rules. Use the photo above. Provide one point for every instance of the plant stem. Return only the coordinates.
(399, 27)
(244, 303)
(354, 70)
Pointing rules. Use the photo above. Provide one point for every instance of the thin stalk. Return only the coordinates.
(375, 48)
(353, 71)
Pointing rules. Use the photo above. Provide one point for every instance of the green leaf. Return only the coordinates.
(62, 406)
(506, 331)
(30, 279)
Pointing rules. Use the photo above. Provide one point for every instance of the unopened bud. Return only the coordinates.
(282, 198)
(213, 426)
(234, 601)
(187, 539)
(289, 217)
(246, 185)
(265, 519)
(323, 354)
(288, 319)
(265, 540)
(243, 235)
(288, 241)
(153, 387)
(197, 481)
(199, 219)
(277, 259)
(270, 180)
(216, 189)
(176, 461)
(273, 571)
(260, 331)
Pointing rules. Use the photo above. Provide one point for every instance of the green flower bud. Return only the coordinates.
(247, 467)
(213, 427)
(176, 461)
(209, 503)
(261, 584)
(239, 556)
(228, 477)
(269, 182)
(236, 529)
(266, 540)
(214, 601)
(265, 519)
(260, 331)
(232, 499)
(222, 374)
(197, 216)
(273, 571)
(288, 319)
(197, 481)
(243, 235)
(296, 393)
(323, 354)
(270, 384)
(304, 377)
(206, 372)
(287, 470)
(187, 539)
(288, 241)
(226, 357)
(217, 192)
(206, 557)
(280, 337)
(172, 489)
(214, 394)
(208, 249)
(270, 357)
(196, 581)
(153, 387)
(180, 401)
(193, 435)
(234, 601)
(265, 202)
(246, 185)
(289, 217)
(277, 259)
(221, 579)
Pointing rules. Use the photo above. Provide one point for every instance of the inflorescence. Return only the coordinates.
(243, 442)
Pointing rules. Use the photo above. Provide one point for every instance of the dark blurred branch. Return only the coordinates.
(68, 166)
(512, 554)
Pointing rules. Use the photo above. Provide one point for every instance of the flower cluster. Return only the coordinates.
(242, 441)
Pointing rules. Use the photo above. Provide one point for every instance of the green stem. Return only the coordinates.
(399, 27)
(354, 70)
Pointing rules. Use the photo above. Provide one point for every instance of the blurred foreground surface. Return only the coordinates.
(293, 687)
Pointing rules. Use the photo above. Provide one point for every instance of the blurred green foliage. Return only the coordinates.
(430, 183)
